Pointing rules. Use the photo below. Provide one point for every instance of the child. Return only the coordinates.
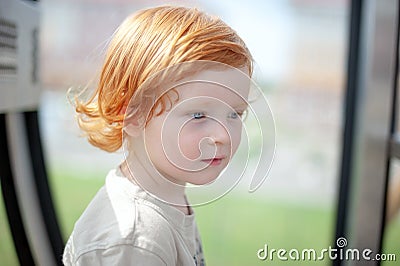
(172, 91)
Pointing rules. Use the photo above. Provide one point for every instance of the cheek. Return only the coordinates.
(189, 142)
(236, 135)
(158, 139)
(152, 139)
(174, 142)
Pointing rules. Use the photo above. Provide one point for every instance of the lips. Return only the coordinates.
(214, 161)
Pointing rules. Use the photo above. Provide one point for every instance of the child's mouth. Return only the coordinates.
(213, 161)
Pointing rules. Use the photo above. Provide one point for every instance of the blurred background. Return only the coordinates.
(300, 49)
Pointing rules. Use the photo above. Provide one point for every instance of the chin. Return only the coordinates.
(202, 180)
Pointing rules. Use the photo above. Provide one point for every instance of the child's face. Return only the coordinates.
(195, 140)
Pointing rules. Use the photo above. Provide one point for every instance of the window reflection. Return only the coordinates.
(299, 47)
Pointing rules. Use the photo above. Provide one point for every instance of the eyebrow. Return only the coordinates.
(204, 102)
(242, 106)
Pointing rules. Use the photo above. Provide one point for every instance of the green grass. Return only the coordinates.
(391, 242)
(233, 228)
(72, 193)
(7, 252)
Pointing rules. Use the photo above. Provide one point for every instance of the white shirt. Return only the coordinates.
(123, 225)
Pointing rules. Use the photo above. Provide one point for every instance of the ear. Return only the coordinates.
(131, 124)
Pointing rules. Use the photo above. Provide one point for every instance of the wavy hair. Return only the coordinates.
(149, 41)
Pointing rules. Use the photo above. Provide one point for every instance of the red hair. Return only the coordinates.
(144, 44)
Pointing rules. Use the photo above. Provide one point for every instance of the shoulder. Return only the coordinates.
(116, 255)
(115, 220)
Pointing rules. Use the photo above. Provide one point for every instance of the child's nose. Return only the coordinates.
(219, 133)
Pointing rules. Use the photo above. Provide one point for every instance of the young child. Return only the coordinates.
(172, 91)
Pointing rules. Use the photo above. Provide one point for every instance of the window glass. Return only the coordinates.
(391, 234)
(300, 51)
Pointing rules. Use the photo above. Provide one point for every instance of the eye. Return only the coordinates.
(235, 115)
(198, 115)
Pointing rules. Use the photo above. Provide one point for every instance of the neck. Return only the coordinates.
(141, 171)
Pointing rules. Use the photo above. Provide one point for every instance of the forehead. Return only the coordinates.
(230, 86)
